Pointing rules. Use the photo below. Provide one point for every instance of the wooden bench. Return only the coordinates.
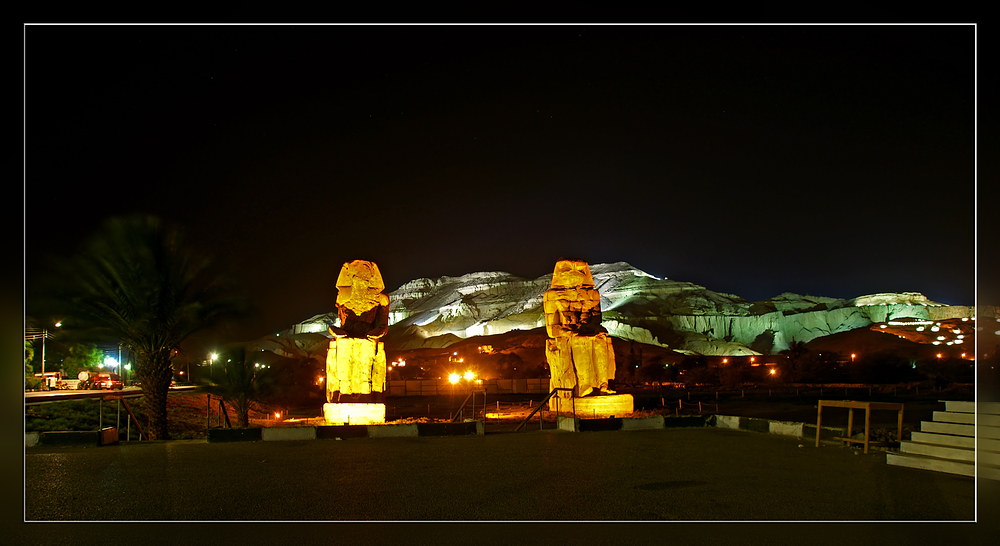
(852, 405)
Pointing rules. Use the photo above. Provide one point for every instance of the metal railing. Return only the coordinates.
(542, 403)
(459, 413)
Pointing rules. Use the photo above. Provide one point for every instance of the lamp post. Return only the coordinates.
(211, 359)
(31, 334)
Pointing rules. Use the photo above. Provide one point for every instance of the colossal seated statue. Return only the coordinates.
(579, 351)
(355, 363)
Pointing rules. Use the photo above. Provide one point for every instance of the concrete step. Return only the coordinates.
(942, 452)
(943, 439)
(962, 407)
(952, 417)
(989, 472)
(931, 463)
(948, 428)
(989, 420)
(991, 458)
(985, 408)
(985, 444)
(986, 431)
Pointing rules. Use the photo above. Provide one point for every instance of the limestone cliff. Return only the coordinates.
(637, 306)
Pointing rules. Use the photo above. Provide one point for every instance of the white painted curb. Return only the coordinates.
(786, 428)
(727, 421)
(568, 423)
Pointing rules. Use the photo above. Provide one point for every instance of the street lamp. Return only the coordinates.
(211, 359)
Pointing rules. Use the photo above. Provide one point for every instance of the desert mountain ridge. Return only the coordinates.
(636, 306)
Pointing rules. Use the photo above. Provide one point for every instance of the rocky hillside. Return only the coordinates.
(681, 316)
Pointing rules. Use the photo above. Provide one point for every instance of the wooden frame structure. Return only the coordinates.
(852, 405)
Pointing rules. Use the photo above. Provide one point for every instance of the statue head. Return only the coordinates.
(359, 285)
(572, 274)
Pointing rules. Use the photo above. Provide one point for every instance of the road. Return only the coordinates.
(666, 474)
(699, 475)
(45, 397)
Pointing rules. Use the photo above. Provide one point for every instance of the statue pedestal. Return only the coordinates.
(591, 407)
(354, 414)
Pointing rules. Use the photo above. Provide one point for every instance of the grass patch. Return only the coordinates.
(187, 414)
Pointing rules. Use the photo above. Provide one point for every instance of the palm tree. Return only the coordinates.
(244, 383)
(797, 354)
(135, 281)
(300, 365)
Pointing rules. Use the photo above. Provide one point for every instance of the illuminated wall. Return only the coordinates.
(354, 414)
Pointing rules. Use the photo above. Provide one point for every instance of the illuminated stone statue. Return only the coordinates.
(579, 351)
(355, 363)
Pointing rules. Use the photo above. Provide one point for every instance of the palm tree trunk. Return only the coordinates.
(243, 412)
(155, 374)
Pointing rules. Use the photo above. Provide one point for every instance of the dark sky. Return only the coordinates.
(753, 160)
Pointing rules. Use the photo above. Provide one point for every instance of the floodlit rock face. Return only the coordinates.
(905, 298)
(470, 305)
(637, 306)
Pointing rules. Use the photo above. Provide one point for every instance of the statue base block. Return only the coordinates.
(354, 414)
(592, 407)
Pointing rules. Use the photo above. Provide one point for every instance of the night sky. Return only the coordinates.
(753, 160)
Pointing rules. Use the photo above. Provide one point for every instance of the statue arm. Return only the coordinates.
(381, 325)
(591, 318)
(553, 321)
(342, 313)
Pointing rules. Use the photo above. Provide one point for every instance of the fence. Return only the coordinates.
(433, 387)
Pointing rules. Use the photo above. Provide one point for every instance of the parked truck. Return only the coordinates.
(84, 381)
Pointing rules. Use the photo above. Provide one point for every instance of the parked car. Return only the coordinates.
(107, 381)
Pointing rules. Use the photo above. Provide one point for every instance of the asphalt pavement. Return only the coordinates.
(674, 475)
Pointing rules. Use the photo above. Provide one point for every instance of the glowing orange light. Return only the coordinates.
(772, 372)
(453, 378)
(939, 355)
(725, 360)
(469, 376)
(277, 415)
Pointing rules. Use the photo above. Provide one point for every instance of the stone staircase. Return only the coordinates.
(948, 443)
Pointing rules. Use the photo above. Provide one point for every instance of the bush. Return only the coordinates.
(32, 383)
(79, 415)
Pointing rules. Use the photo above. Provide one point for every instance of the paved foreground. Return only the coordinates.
(702, 474)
